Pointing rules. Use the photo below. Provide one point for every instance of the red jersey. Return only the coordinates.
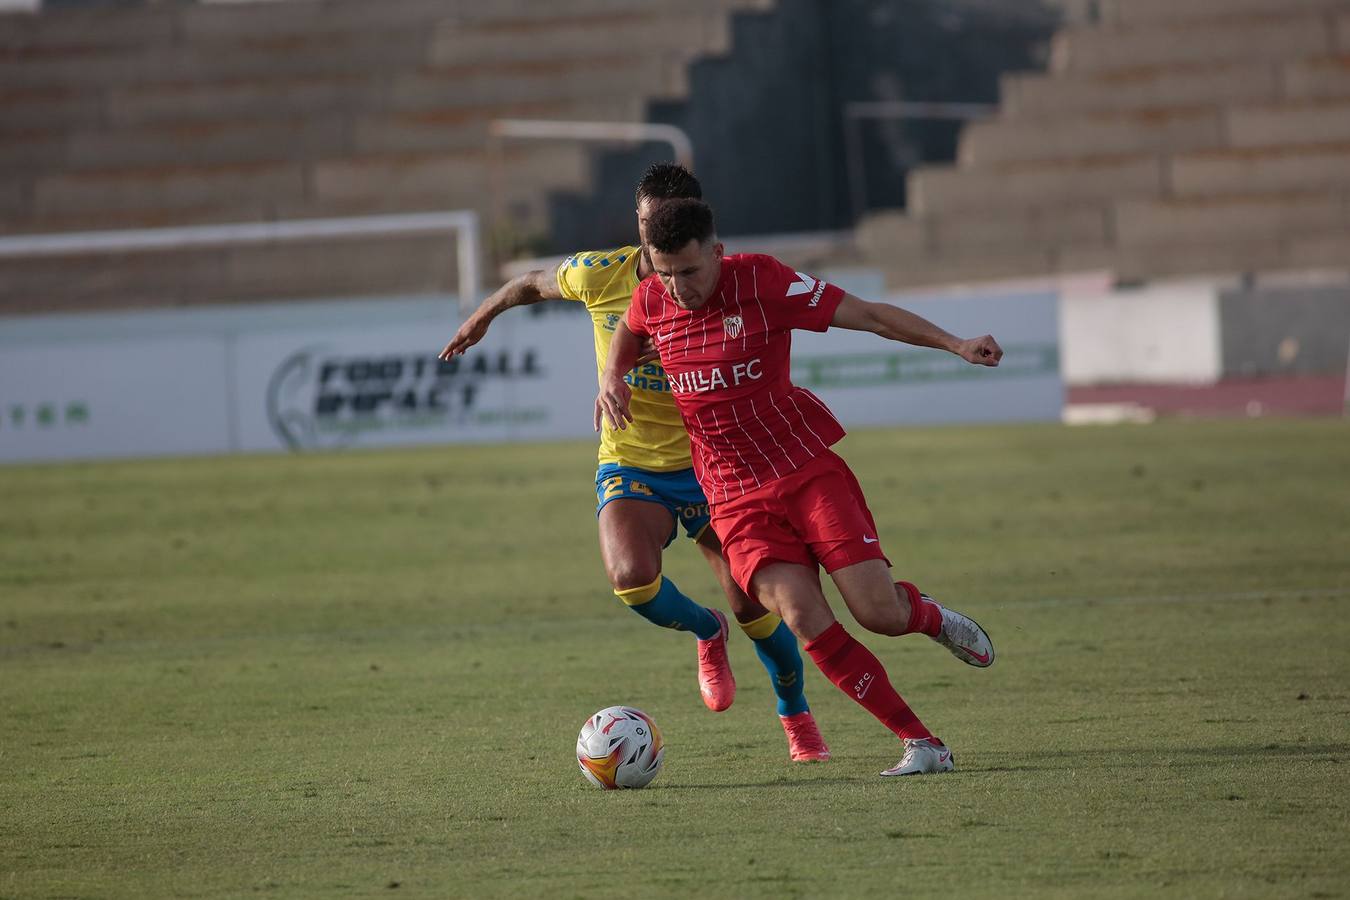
(728, 367)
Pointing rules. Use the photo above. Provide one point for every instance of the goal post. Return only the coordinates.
(463, 224)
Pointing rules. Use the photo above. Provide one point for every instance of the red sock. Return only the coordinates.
(856, 672)
(925, 617)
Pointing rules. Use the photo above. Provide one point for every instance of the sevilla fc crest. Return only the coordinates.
(733, 326)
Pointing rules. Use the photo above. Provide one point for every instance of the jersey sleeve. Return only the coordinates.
(794, 299)
(571, 282)
(596, 277)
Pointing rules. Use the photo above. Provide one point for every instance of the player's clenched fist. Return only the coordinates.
(982, 351)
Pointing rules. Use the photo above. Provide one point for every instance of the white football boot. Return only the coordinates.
(922, 757)
(964, 637)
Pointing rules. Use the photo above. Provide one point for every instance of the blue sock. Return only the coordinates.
(777, 649)
(661, 603)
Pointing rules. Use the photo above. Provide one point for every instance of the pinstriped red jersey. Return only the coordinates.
(730, 374)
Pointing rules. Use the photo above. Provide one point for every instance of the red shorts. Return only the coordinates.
(814, 516)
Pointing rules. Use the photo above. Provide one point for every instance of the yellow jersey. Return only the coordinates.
(655, 440)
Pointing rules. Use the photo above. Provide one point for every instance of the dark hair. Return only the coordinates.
(668, 181)
(677, 222)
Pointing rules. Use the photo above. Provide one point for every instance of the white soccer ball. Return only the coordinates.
(620, 747)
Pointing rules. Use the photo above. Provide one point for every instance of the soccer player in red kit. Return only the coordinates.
(783, 503)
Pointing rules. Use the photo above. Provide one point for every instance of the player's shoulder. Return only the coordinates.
(648, 296)
(769, 275)
(760, 264)
(750, 260)
(599, 267)
(600, 278)
(602, 258)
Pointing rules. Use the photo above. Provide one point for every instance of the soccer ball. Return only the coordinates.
(620, 747)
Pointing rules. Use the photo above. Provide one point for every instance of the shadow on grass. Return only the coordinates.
(1100, 758)
(1110, 758)
(777, 782)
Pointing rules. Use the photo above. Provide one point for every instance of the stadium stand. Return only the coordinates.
(158, 115)
(769, 121)
(1168, 137)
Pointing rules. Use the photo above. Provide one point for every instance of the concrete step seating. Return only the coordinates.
(1125, 221)
(1293, 124)
(620, 80)
(1176, 221)
(910, 251)
(668, 31)
(1325, 78)
(999, 141)
(451, 180)
(224, 95)
(1140, 12)
(1171, 137)
(1219, 256)
(935, 190)
(1037, 96)
(230, 274)
(434, 44)
(1286, 167)
(1279, 36)
(106, 27)
(216, 210)
(911, 237)
(171, 114)
(1180, 135)
(307, 137)
(272, 130)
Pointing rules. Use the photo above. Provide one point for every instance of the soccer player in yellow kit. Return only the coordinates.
(645, 485)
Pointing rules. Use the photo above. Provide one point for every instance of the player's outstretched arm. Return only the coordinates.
(522, 290)
(612, 402)
(897, 324)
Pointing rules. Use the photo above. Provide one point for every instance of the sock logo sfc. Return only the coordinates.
(863, 685)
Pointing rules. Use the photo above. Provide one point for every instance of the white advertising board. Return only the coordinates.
(86, 399)
(319, 376)
(531, 378)
(1163, 333)
(866, 380)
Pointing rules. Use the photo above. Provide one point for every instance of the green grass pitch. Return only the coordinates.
(362, 674)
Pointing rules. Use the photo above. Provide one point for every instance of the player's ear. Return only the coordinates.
(717, 250)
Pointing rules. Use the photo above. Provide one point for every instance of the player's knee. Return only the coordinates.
(629, 574)
(806, 619)
(744, 608)
(810, 624)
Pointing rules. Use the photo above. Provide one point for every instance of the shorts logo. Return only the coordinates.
(732, 324)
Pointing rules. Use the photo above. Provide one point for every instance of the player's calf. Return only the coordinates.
(662, 603)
